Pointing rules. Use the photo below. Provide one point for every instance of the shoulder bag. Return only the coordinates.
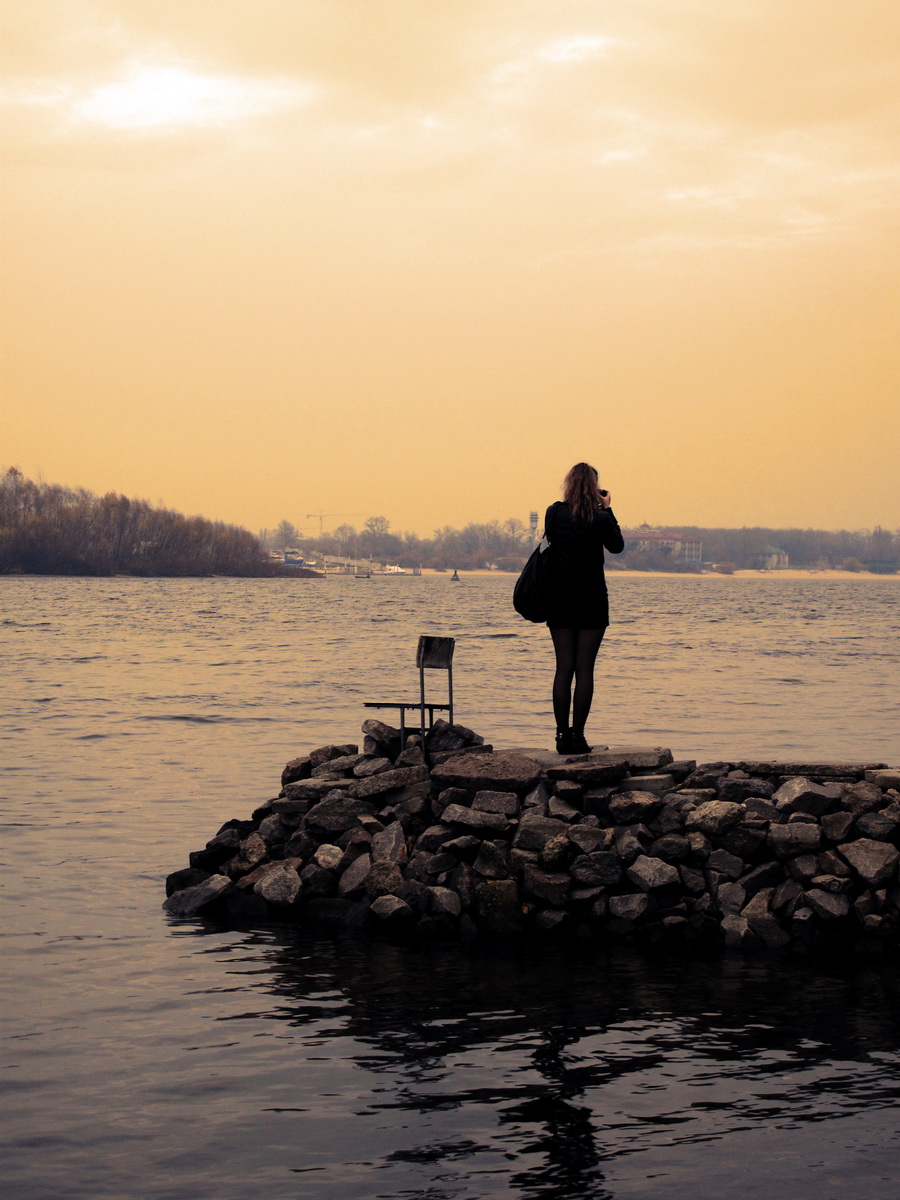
(531, 593)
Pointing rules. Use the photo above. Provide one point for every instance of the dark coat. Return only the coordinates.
(578, 596)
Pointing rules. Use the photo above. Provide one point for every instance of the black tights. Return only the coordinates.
(576, 652)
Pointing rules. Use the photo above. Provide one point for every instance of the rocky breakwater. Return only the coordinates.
(454, 839)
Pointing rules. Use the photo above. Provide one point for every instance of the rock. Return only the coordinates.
(442, 901)
(707, 775)
(692, 880)
(628, 808)
(862, 797)
(388, 781)
(317, 881)
(657, 785)
(188, 877)
(628, 845)
(766, 875)
(599, 869)
(726, 864)
(354, 877)
(630, 907)
(326, 753)
(491, 862)
(506, 803)
(412, 756)
(328, 857)
(731, 897)
(337, 767)
(737, 932)
(827, 905)
(470, 818)
(537, 798)
(795, 838)
(371, 764)
(280, 886)
(836, 825)
(385, 737)
(548, 886)
(390, 845)
(499, 906)
(817, 771)
(312, 791)
(297, 768)
(193, 900)
(802, 795)
(434, 837)
(884, 779)
(556, 853)
(535, 831)
(715, 817)
(252, 853)
(874, 862)
(499, 771)
(587, 839)
(739, 791)
(561, 810)
(652, 873)
(383, 878)
(336, 814)
(444, 736)
(591, 772)
(391, 909)
(551, 920)
(877, 826)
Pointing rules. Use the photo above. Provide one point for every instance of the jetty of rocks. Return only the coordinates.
(454, 839)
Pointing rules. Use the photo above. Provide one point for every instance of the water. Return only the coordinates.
(164, 1061)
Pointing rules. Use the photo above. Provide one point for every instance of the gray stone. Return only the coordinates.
(657, 785)
(628, 845)
(836, 825)
(382, 735)
(731, 897)
(391, 909)
(444, 736)
(727, 864)
(498, 771)
(715, 817)
(630, 907)
(499, 906)
(506, 803)
(795, 838)
(599, 869)
(280, 886)
(327, 753)
(388, 781)
(802, 795)
(549, 920)
(875, 862)
(548, 886)
(337, 814)
(370, 764)
(811, 770)
(884, 779)
(390, 844)
(652, 873)
(739, 791)
(862, 797)
(193, 900)
(470, 818)
(588, 839)
(412, 756)
(178, 881)
(535, 831)
(434, 837)
(692, 880)
(337, 767)
(632, 807)
(297, 768)
(312, 791)
(317, 881)
(561, 810)
(877, 826)
(328, 857)
(766, 875)
(354, 877)
(442, 901)
(591, 772)
(253, 851)
(737, 932)
(827, 905)
(556, 853)
(538, 797)
(491, 861)
(383, 878)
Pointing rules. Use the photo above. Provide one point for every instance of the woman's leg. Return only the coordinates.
(586, 644)
(565, 643)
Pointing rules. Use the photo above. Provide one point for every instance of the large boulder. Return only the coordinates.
(193, 900)
(499, 771)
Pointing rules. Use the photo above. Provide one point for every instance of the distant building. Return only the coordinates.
(771, 559)
(664, 541)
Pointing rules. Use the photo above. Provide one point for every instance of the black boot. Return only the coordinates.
(577, 742)
(564, 741)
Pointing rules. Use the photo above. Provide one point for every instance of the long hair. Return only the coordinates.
(581, 491)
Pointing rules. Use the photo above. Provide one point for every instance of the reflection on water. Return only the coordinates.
(528, 1073)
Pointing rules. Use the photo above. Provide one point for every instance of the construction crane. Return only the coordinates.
(323, 515)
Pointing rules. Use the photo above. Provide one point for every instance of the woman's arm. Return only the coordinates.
(610, 531)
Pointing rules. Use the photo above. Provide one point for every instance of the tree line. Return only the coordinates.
(506, 545)
(46, 529)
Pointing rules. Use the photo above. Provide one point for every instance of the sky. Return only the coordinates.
(320, 260)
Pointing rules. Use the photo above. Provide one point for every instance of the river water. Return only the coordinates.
(146, 1059)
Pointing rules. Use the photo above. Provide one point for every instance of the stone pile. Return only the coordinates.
(454, 839)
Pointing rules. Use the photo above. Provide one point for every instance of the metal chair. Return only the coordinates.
(436, 654)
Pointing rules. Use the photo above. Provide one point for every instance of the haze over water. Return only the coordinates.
(161, 1061)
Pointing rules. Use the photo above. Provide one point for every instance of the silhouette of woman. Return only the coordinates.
(579, 528)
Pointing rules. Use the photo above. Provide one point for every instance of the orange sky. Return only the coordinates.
(267, 258)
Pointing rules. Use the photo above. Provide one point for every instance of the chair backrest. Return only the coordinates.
(435, 652)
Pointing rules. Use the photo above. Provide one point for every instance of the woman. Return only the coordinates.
(578, 528)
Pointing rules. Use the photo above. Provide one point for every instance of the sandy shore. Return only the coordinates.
(613, 573)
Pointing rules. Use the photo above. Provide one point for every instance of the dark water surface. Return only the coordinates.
(170, 1061)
